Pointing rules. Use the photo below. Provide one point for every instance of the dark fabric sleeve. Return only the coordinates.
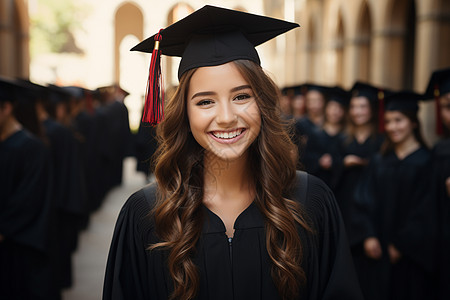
(331, 270)
(26, 213)
(364, 204)
(127, 270)
(416, 236)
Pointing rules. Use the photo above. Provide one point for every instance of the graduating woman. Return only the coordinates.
(307, 128)
(328, 164)
(439, 89)
(361, 143)
(393, 197)
(228, 217)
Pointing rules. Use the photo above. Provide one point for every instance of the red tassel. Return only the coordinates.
(89, 102)
(154, 98)
(439, 128)
(381, 111)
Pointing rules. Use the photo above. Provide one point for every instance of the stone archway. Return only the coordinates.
(128, 20)
(363, 43)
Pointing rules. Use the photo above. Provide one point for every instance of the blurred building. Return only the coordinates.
(391, 43)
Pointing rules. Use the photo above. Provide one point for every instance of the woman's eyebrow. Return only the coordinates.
(201, 94)
(233, 90)
(242, 87)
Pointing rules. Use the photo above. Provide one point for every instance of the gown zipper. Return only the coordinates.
(230, 242)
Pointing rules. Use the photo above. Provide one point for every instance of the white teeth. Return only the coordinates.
(227, 135)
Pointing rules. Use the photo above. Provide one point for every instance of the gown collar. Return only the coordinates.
(251, 217)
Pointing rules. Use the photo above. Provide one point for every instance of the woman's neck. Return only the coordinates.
(332, 129)
(11, 127)
(226, 177)
(316, 119)
(362, 132)
(405, 148)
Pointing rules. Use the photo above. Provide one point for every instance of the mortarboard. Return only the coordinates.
(77, 93)
(403, 101)
(438, 85)
(38, 91)
(315, 87)
(361, 89)
(210, 36)
(57, 94)
(339, 95)
(439, 82)
(8, 90)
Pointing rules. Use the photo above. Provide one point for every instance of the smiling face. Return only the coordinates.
(315, 103)
(398, 126)
(223, 115)
(360, 112)
(334, 112)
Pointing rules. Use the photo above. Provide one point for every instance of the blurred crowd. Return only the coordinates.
(62, 150)
(392, 188)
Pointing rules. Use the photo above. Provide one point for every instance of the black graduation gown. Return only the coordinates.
(118, 137)
(133, 272)
(326, 144)
(308, 143)
(349, 178)
(88, 128)
(440, 172)
(69, 193)
(393, 205)
(26, 216)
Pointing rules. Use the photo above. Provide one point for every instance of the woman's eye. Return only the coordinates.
(242, 97)
(204, 102)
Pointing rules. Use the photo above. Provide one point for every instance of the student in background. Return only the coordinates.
(26, 204)
(394, 212)
(329, 162)
(362, 141)
(439, 90)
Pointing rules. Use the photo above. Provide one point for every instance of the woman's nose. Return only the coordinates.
(225, 114)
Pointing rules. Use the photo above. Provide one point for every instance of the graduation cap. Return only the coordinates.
(38, 91)
(403, 101)
(438, 85)
(7, 90)
(57, 94)
(375, 95)
(307, 87)
(75, 92)
(210, 36)
(339, 95)
(293, 90)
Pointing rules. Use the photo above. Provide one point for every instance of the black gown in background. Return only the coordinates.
(133, 272)
(350, 176)
(69, 193)
(393, 205)
(440, 173)
(325, 143)
(26, 218)
(308, 144)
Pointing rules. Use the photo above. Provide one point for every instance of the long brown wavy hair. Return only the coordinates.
(179, 174)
